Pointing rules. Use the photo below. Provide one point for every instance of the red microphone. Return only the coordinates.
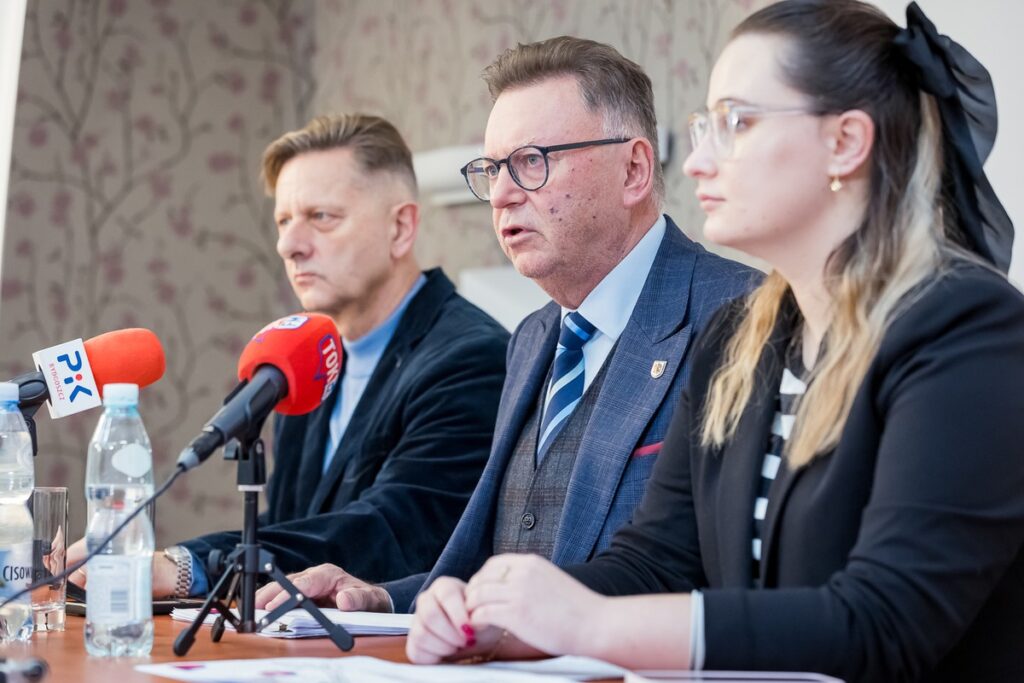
(292, 365)
(71, 376)
(304, 347)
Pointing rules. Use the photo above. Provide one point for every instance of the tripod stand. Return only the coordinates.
(240, 570)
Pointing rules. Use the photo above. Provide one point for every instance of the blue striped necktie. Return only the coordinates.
(566, 387)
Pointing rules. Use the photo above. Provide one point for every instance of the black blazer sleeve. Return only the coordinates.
(399, 523)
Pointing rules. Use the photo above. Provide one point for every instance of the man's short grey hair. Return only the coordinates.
(375, 142)
(608, 82)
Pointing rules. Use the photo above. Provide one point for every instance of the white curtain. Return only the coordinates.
(12, 25)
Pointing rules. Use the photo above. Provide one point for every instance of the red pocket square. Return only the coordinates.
(650, 449)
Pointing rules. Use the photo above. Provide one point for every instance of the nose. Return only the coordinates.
(505, 192)
(701, 162)
(293, 241)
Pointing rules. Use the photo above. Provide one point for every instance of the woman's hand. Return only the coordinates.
(537, 603)
(441, 630)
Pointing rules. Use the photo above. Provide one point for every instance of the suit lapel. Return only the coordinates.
(353, 441)
(742, 460)
(535, 349)
(629, 397)
(777, 495)
(313, 446)
(743, 457)
(416, 321)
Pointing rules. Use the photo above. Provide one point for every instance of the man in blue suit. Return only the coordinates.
(572, 176)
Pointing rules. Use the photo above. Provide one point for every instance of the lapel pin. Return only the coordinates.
(658, 368)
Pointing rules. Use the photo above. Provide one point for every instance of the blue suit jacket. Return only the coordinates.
(685, 286)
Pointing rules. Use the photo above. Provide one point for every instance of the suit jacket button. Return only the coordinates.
(529, 520)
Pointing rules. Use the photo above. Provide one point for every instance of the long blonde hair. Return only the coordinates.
(903, 239)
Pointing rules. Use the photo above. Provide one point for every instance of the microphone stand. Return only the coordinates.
(241, 569)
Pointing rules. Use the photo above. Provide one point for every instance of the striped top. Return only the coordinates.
(790, 389)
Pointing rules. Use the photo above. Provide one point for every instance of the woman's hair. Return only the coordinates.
(840, 54)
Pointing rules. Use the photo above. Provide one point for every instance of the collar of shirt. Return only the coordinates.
(362, 355)
(610, 304)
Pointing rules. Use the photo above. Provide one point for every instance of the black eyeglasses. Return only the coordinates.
(527, 165)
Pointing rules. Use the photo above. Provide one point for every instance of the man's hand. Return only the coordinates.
(76, 551)
(328, 586)
(165, 572)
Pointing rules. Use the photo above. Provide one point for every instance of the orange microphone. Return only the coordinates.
(131, 356)
(291, 365)
(71, 376)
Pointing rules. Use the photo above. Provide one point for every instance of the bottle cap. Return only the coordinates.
(120, 394)
(8, 392)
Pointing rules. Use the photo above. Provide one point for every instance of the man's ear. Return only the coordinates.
(405, 222)
(640, 172)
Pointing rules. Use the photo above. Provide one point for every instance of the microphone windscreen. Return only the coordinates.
(133, 356)
(306, 348)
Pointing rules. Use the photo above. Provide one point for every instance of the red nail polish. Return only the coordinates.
(471, 642)
(468, 630)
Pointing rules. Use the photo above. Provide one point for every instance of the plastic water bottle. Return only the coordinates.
(118, 477)
(17, 477)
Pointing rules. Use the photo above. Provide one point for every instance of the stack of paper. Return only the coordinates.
(298, 623)
(371, 670)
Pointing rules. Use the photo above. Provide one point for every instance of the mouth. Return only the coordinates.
(511, 231)
(512, 236)
(709, 202)
(304, 278)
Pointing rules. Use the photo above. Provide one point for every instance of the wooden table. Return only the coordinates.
(65, 652)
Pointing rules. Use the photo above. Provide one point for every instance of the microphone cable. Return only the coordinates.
(68, 571)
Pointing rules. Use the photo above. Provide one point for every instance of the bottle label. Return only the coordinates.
(68, 377)
(118, 589)
(134, 460)
(15, 569)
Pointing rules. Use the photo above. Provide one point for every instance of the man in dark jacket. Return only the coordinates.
(378, 476)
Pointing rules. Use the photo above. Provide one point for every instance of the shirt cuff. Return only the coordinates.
(200, 581)
(697, 642)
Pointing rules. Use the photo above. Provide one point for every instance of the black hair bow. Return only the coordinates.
(967, 102)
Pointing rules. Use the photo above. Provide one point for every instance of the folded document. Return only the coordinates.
(299, 624)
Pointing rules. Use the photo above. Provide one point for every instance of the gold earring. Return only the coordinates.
(836, 184)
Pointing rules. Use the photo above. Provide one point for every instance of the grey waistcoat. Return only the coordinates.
(532, 498)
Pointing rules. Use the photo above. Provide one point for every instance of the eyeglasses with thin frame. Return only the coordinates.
(725, 119)
(528, 166)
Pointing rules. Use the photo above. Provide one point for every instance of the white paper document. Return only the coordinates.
(727, 677)
(372, 670)
(298, 623)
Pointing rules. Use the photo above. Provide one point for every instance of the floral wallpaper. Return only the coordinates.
(134, 201)
(135, 198)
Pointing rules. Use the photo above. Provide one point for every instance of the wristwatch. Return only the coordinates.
(182, 558)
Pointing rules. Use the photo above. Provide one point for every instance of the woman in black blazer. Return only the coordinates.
(842, 490)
